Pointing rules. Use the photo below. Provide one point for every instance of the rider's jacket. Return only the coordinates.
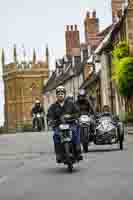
(37, 109)
(84, 106)
(55, 111)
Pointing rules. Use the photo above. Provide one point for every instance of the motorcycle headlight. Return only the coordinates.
(85, 118)
(64, 126)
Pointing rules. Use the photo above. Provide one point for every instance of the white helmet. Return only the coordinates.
(37, 101)
(60, 88)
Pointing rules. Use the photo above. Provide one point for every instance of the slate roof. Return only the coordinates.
(88, 82)
(71, 71)
(56, 80)
(109, 37)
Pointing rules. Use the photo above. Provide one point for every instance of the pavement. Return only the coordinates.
(130, 129)
(28, 171)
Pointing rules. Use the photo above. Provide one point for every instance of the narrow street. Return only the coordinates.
(28, 171)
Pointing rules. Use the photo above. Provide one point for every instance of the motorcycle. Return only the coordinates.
(67, 147)
(85, 132)
(37, 118)
(106, 132)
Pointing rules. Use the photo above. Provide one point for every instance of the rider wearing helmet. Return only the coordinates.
(70, 97)
(38, 108)
(56, 110)
(85, 107)
(106, 112)
(83, 102)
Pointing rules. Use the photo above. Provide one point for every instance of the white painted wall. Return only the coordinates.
(104, 80)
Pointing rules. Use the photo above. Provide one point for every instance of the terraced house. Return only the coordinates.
(120, 30)
(74, 68)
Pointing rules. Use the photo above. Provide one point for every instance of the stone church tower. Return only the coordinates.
(23, 83)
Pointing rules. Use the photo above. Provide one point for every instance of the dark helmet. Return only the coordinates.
(106, 108)
(60, 89)
(82, 95)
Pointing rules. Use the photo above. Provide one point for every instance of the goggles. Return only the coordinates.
(60, 93)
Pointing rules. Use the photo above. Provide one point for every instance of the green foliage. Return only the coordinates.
(27, 127)
(121, 50)
(93, 91)
(123, 70)
(126, 117)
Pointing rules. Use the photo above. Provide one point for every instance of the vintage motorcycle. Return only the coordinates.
(38, 121)
(107, 132)
(68, 150)
(85, 131)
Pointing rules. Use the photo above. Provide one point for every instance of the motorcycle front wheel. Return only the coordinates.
(121, 142)
(39, 125)
(68, 157)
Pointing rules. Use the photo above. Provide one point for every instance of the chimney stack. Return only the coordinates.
(94, 14)
(91, 24)
(116, 8)
(72, 39)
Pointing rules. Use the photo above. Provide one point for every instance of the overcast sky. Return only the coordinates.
(35, 23)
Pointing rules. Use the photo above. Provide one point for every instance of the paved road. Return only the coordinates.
(28, 171)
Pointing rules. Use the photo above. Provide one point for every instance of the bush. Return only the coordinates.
(124, 76)
(126, 117)
(123, 70)
(122, 116)
(27, 127)
(129, 117)
(121, 51)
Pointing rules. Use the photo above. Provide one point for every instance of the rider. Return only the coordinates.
(38, 108)
(84, 103)
(56, 110)
(85, 106)
(106, 112)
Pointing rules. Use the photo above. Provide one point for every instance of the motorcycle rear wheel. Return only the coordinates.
(70, 167)
(85, 147)
(121, 143)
